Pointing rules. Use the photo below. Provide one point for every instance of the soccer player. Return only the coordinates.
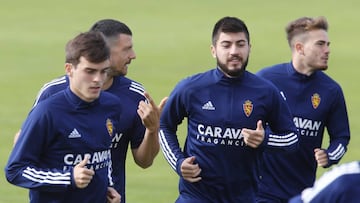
(63, 153)
(340, 184)
(141, 124)
(226, 108)
(316, 102)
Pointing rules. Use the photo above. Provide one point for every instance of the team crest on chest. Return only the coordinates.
(315, 100)
(248, 107)
(109, 127)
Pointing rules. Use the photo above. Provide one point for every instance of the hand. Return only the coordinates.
(113, 196)
(16, 137)
(321, 157)
(150, 113)
(83, 175)
(162, 103)
(253, 138)
(189, 170)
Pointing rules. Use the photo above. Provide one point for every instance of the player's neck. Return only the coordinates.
(302, 68)
(108, 83)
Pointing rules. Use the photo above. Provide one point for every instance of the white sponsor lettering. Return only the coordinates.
(307, 124)
(220, 141)
(96, 157)
(230, 133)
(307, 127)
(115, 140)
(219, 136)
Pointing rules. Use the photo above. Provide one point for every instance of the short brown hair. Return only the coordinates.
(91, 45)
(303, 25)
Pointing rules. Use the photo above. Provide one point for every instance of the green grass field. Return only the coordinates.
(172, 40)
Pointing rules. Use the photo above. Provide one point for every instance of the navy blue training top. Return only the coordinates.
(131, 131)
(316, 102)
(57, 135)
(217, 108)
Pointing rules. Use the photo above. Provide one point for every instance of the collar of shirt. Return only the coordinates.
(292, 72)
(78, 102)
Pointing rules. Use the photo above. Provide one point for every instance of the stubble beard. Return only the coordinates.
(233, 73)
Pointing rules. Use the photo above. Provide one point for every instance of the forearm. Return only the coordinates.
(41, 179)
(336, 150)
(285, 142)
(148, 149)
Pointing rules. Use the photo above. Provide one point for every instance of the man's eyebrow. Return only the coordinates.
(228, 41)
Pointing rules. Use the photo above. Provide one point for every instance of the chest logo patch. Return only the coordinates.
(315, 100)
(248, 107)
(109, 127)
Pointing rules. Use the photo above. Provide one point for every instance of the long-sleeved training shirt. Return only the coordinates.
(316, 102)
(57, 135)
(340, 184)
(131, 128)
(217, 109)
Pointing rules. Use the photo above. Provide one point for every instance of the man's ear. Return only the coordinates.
(68, 69)
(213, 51)
(299, 48)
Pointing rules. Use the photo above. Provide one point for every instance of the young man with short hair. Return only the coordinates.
(63, 151)
(226, 108)
(316, 102)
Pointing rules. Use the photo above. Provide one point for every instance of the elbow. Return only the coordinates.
(10, 175)
(145, 160)
(144, 164)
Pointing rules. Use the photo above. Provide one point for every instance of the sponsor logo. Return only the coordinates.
(248, 107)
(208, 106)
(96, 161)
(307, 127)
(116, 140)
(74, 134)
(222, 136)
(315, 100)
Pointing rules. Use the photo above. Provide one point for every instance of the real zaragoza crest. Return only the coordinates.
(315, 100)
(109, 127)
(248, 107)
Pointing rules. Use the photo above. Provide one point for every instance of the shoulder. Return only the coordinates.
(51, 88)
(338, 180)
(126, 86)
(55, 84)
(56, 101)
(258, 81)
(198, 80)
(131, 84)
(273, 70)
(326, 79)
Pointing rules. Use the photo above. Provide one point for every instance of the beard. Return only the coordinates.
(113, 73)
(233, 73)
(323, 68)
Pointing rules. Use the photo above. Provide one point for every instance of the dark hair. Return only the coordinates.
(229, 25)
(91, 45)
(303, 25)
(111, 28)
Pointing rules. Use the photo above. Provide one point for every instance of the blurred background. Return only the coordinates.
(172, 40)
